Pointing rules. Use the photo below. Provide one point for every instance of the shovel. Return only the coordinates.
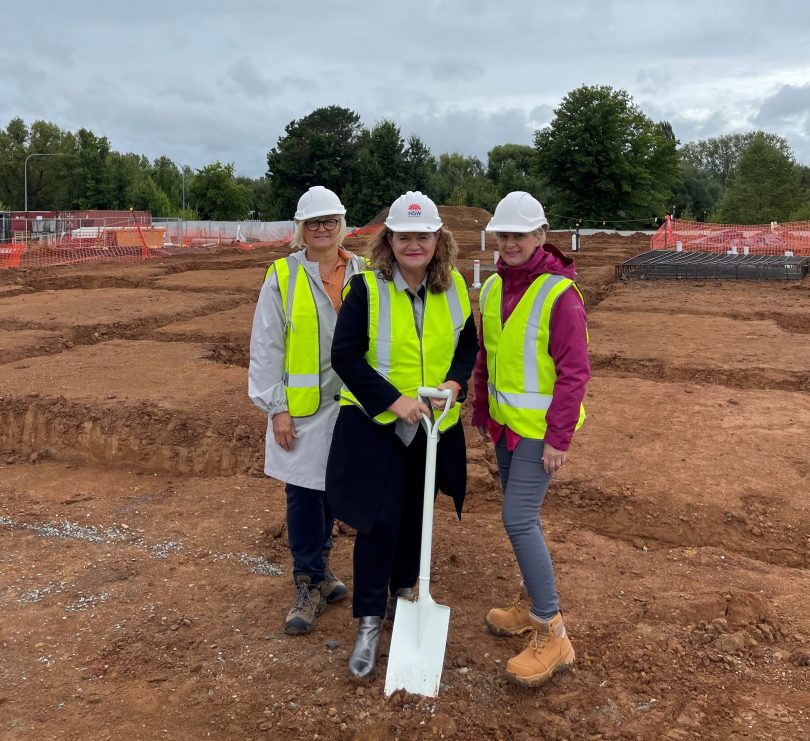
(419, 638)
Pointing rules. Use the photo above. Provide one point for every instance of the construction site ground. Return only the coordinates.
(144, 568)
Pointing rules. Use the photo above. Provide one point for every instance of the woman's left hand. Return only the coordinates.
(553, 459)
(454, 387)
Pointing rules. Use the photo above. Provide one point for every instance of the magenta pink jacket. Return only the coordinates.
(568, 348)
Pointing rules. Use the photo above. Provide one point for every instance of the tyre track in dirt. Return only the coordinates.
(794, 323)
(621, 515)
(767, 379)
(92, 334)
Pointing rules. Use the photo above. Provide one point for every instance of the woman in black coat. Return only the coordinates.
(376, 466)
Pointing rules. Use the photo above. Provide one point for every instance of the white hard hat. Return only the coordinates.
(517, 212)
(319, 201)
(413, 212)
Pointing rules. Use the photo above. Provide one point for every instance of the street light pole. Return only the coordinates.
(39, 154)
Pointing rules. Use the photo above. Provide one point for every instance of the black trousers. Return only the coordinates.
(387, 557)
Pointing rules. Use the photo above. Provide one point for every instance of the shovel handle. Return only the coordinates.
(430, 486)
(426, 392)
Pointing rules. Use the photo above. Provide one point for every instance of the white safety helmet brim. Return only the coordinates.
(323, 212)
(515, 228)
(427, 228)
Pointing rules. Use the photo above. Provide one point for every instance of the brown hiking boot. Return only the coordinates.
(332, 588)
(513, 620)
(548, 651)
(305, 610)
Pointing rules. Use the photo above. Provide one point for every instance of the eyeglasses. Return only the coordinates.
(329, 224)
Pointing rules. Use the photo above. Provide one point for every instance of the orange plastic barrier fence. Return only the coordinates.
(10, 255)
(34, 255)
(755, 239)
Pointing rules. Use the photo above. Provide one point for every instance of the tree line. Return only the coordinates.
(600, 161)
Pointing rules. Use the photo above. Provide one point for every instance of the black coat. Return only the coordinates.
(367, 459)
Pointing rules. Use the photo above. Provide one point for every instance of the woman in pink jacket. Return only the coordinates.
(530, 379)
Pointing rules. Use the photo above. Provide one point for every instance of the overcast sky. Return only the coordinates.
(204, 81)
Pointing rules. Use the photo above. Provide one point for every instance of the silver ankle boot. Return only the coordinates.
(363, 660)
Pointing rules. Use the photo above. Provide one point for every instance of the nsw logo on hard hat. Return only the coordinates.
(415, 210)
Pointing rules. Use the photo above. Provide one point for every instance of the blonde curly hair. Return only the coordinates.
(440, 268)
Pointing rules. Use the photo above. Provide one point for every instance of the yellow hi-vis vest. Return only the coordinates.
(521, 370)
(395, 350)
(302, 357)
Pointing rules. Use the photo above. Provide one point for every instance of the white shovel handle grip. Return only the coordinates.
(427, 392)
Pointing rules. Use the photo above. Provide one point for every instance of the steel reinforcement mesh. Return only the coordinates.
(658, 264)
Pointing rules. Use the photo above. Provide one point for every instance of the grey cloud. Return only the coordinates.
(220, 81)
(456, 70)
(789, 102)
(247, 76)
(540, 116)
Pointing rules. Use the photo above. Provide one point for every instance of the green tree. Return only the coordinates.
(698, 194)
(319, 149)
(12, 157)
(259, 188)
(606, 159)
(719, 156)
(49, 177)
(380, 168)
(514, 167)
(766, 186)
(420, 165)
(216, 195)
(90, 182)
(166, 176)
(122, 172)
(461, 180)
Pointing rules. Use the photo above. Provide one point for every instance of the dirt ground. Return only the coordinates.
(144, 570)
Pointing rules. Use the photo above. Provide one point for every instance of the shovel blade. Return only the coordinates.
(418, 642)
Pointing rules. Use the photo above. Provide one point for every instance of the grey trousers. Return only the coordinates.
(525, 483)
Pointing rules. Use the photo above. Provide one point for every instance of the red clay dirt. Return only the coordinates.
(145, 575)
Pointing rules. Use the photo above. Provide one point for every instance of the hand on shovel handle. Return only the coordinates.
(408, 409)
(454, 387)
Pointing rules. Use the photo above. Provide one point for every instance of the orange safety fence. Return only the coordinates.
(757, 239)
(145, 246)
(34, 240)
(42, 239)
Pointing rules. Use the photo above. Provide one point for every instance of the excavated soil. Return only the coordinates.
(144, 567)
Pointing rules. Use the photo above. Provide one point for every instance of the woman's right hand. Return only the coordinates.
(284, 430)
(408, 409)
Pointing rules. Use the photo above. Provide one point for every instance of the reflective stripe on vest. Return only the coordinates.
(521, 370)
(302, 378)
(418, 362)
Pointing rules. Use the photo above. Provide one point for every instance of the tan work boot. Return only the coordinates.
(305, 610)
(513, 620)
(332, 588)
(548, 651)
